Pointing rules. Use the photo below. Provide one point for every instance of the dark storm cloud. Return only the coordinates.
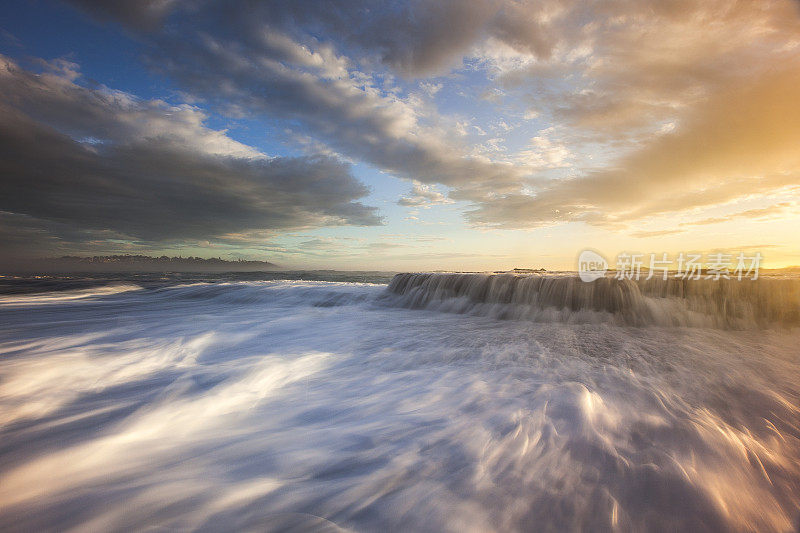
(103, 161)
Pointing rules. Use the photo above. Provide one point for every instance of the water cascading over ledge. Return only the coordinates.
(722, 303)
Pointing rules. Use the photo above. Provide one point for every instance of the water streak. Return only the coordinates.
(326, 406)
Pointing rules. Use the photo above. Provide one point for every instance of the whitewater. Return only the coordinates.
(416, 402)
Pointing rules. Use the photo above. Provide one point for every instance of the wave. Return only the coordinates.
(62, 296)
(299, 405)
(286, 293)
(724, 303)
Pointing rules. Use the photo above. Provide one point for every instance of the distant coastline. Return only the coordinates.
(141, 263)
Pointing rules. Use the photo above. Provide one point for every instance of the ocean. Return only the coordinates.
(367, 401)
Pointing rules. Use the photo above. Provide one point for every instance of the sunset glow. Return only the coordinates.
(487, 136)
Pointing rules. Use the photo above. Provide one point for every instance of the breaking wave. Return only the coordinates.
(723, 303)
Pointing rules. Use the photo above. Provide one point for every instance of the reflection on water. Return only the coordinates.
(313, 405)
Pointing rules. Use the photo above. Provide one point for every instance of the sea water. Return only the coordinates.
(424, 402)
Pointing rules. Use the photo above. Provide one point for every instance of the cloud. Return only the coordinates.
(95, 162)
(545, 153)
(610, 74)
(137, 14)
(430, 88)
(423, 196)
(655, 233)
(632, 65)
(778, 210)
(416, 38)
(742, 142)
(343, 109)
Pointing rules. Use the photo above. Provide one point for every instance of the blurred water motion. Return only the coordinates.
(271, 405)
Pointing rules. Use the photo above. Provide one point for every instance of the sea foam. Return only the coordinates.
(280, 404)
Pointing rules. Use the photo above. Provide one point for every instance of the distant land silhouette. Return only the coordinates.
(142, 263)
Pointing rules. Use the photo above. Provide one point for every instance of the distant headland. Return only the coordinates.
(145, 263)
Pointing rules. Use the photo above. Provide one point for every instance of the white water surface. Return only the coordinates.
(343, 406)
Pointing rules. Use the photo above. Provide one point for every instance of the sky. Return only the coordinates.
(414, 135)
